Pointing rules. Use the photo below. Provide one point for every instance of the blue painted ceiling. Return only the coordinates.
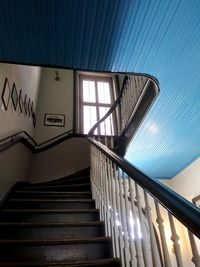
(158, 37)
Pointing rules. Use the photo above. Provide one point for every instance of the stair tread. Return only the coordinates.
(64, 179)
(55, 186)
(55, 192)
(22, 224)
(49, 210)
(57, 230)
(56, 241)
(76, 262)
(50, 200)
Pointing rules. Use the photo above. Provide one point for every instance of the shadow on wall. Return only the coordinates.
(62, 160)
(15, 165)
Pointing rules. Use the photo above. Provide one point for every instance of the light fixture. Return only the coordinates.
(57, 78)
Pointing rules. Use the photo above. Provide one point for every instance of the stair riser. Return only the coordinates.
(50, 195)
(60, 252)
(72, 188)
(49, 205)
(36, 233)
(80, 180)
(49, 217)
(115, 264)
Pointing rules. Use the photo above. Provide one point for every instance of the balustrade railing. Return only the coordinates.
(148, 223)
(133, 90)
(116, 120)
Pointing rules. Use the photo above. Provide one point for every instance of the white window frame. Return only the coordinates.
(80, 103)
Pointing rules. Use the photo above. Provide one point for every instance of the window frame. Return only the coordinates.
(96, 77)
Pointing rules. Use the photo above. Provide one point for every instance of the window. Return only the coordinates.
(96, 98)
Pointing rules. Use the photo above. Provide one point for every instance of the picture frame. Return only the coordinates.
(196, 201)
(57, 120)
(25, 104)
(14, 96)
(6, 94)
(20, 101)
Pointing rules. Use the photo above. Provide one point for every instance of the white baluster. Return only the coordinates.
(147, 260)
(108, 198)
(100, 189)
(137, 240)
(155, 254)
(112, 142)
(122, 112)
(195, 253)
(118, 116)
(114, 209)
(110, 207)
(119, 217)
(107, 224)
(126, 107)
(175, 238)
(124, 222)
(129, 221)
(161, 228)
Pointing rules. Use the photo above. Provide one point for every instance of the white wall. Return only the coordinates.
(15, 162)
(26, 78)
(187, 182)
(55, 97)
(64, 159)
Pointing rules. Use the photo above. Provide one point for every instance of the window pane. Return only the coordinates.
(89, 118)
(103, 92)
(89, 91)
(106, 127)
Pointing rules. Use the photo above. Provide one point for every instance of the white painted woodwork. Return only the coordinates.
(175, 238)
(161, 228)
(195, 254)
(133, 219)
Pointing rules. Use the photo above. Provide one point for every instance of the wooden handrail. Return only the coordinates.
(182, 209)
(117, 101)
(24, 138)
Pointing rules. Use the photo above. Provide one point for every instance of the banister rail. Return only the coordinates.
(179, 207)
(122, 192)
(28, 141)
(15, 135)
(129, 109)
(143, 239)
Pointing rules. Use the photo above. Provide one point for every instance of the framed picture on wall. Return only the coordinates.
(25, 104)
(20, 101)
(6, 94)
(57, 120)
(196, 201)
(14, 96)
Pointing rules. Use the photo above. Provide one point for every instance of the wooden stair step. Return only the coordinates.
(49, 215)
(54, 223)
(50, 203)
(65, 181)
(51, 230)
(55, 195)
(110, 262)
(55, 250)
(71, 187)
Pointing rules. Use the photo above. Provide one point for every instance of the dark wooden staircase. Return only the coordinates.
(54, 224)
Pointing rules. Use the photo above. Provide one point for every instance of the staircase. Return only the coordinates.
(54, 224)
